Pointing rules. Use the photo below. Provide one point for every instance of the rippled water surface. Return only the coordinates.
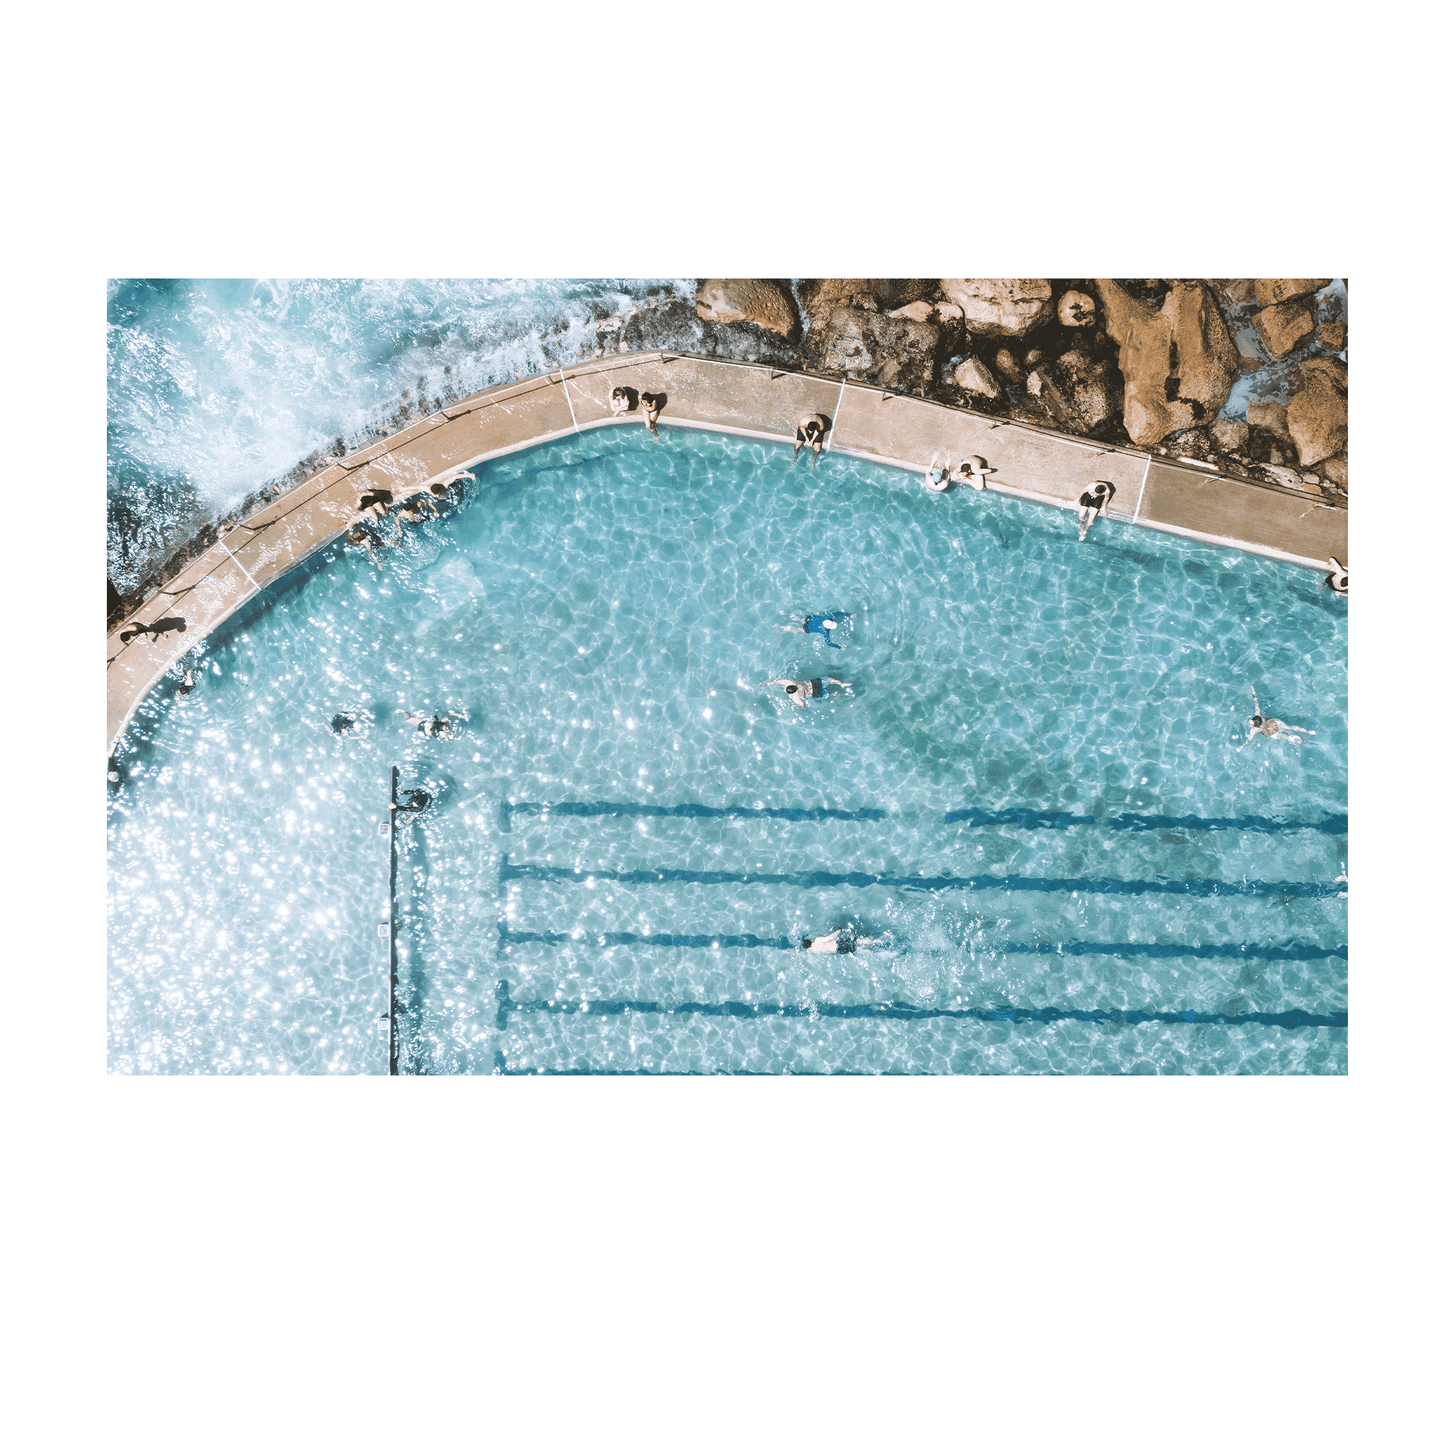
(1033, 796)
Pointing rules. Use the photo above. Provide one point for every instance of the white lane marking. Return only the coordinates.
(1142, 480)
(828, 444)
(562, 372)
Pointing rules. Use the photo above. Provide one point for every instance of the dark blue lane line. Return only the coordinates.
(974, 817)
(1013, 882)
(682, 810)
(1290, 1019)
(1142, 822)
(1075, 949)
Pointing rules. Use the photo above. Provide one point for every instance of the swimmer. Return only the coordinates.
(800, 692)
(651, 405)
(1093, 504)
(360, 537)
(435, 727)
(810, 432)
(411, 508)
(416, 801)
(1270, 727)
(1339, 579)
(377, 502)
(188, 682)
(624, 398)
(344, 725)
(839, 942)
(826, 623)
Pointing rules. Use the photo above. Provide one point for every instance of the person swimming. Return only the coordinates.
(344, 724)
(439, 726)
(827, 624)
(188, 682)
(1093, 503)
(810, 433)
(1270, 727)
(814, 687)
(839, 941)
(415, 800)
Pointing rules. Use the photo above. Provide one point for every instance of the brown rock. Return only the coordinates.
(1080, 393)
(1272, 292)
(1238, 290)
(1229, 435)
(1007, 364)
(868, 346)
(1318, 411)
(949, 312)
(1273, 416)
(1000, 306)
(1178, 362)
(974, 376)
(1337, 469)
(1076, 308)
(916, 311)
(815, 296)
(891, 293)
(1033, 357)
(1283, 327)
(1191, 443)
(1332, 335)
(760, 302)
(1288, 477)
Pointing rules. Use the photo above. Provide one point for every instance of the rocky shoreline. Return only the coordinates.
(1148, 363)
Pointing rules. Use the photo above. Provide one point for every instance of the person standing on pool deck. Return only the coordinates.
(812, 687)
(651, 405)
(826, 623)
(809, 434)
(838, 942)
(1094, 503)
(1269, 727)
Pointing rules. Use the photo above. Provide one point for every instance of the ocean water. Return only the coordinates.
(1033, 796)
(216, 388)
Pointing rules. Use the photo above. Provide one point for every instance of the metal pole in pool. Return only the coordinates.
(391, 936)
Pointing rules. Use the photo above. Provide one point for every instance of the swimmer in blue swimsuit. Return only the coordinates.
(826, 623)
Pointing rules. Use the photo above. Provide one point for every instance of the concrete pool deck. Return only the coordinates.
(743, 399)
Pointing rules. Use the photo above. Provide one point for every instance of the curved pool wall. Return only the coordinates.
(741, 398)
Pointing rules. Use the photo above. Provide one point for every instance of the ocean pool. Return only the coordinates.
(1033, 795)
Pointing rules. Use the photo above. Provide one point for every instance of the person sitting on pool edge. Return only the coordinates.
(1338, 579)
(812, 687)
(1093, 504)
(624, 398)
(435, 727)
(826, 623)
(651, 405)
(839, 941)
(1270, 727)
(411, 508)
(810, 432)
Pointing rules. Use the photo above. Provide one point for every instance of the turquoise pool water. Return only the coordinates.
(1033, 795)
